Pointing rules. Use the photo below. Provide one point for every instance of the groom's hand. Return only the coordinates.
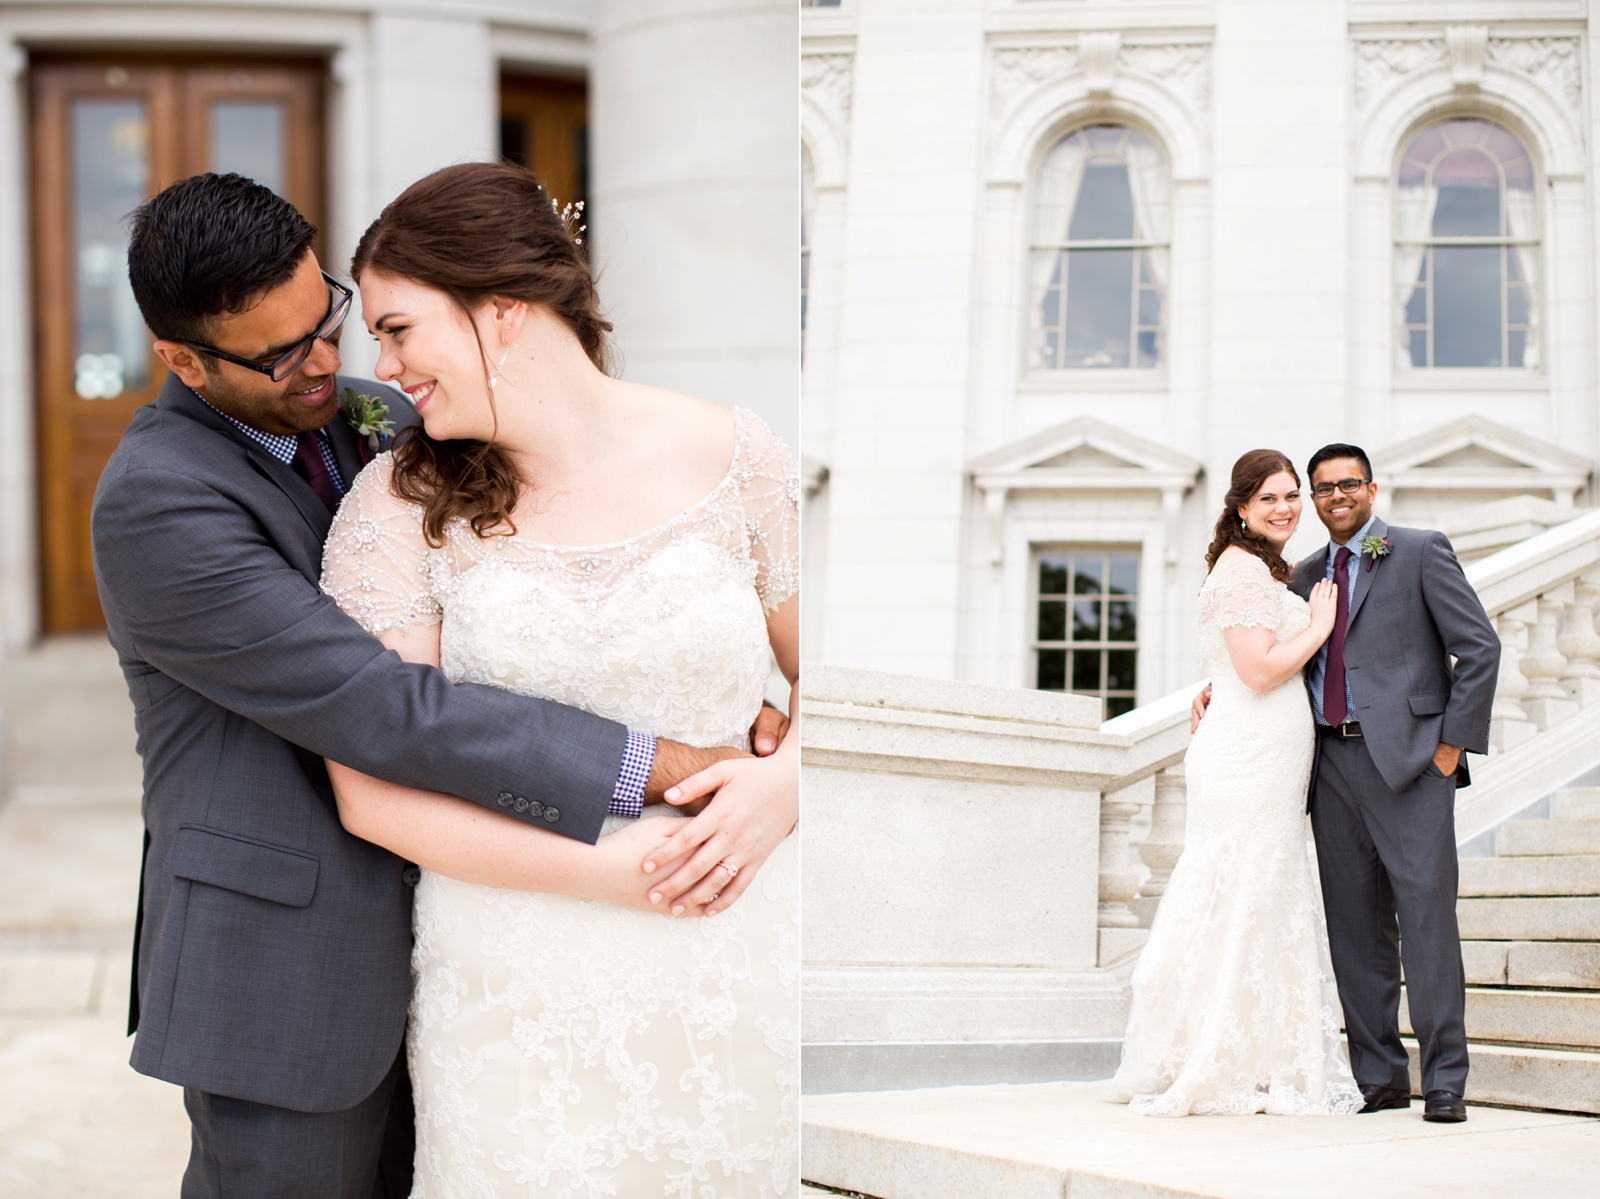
(676, 761)
(1446, 757)
(769, 730)
(1197, 710)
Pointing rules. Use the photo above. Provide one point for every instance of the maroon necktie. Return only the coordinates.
(310, 466)
(1333, 706)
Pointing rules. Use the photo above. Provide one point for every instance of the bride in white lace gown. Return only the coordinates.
(568, 1037)
(1233, 995)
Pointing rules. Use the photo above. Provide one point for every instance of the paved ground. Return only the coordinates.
(75, 1120)
(1054, 1139)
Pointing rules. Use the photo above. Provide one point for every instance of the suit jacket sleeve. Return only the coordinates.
(1469, 637)
(191, 579)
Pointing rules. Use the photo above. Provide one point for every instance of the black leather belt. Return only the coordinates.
(1349, 729)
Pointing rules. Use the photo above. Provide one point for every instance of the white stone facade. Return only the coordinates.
(943, 458)
(694, 173)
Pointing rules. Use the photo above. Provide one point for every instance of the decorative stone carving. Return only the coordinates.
(1098, 54)
(1466, 45)
(1184, 68)
(829, 80)
(1379, 64)
(1553, 61)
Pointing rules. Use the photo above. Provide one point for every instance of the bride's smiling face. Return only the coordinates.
(1274, 511)
(426, 347)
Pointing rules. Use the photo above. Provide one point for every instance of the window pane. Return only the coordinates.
(1122, 620)
(1516, 347)
(1516, 305)
(1099, 308)
(1425, 148)
(1052, 675)
(1124, 574)
(1089, 573)
(1052, 620)
(1105, 203)
(1469, 196)
(1121, 667)
(1466, 306)
(110, 171)
(1086, 670)
(1053, 574)
(1116, 705)
(1086, 621)
(1465, 133)
(247, 139)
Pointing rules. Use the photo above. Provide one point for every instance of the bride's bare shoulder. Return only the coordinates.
(696, 432)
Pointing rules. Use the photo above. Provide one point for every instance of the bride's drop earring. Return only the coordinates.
(498, 366)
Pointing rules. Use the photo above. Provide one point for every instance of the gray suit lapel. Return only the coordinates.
(1361, 585)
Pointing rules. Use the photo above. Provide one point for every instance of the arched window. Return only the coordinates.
(1099, 253)
(1467, 249)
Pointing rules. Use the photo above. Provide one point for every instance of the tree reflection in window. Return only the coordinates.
(1467, 249)
(1086, 636)
(1099, 252)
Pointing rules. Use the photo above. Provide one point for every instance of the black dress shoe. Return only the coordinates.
(1444, 1107)
(1382, 1098)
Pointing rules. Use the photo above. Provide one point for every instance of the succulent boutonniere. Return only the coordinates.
(1374, 547)
(367, 415)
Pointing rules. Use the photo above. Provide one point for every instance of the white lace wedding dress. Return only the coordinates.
(1233, 996)
(563, 1047)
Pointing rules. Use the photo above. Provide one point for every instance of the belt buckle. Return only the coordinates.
(1350, 729)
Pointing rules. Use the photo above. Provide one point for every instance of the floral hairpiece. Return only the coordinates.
(568, 216)
(1374, 547)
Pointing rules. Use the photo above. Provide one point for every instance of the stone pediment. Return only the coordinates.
(1475, 454)
(1084, 454)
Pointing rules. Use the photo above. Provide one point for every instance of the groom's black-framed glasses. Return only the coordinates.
(1349, 486)
(289, 361)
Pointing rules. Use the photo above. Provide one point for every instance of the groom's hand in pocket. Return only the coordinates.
(769, 730)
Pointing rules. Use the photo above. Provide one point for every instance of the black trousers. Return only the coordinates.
(1389, 882)
(244, 1150)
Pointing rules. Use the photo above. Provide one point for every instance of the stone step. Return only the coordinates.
(1577, 874)
(1560, 918)
(1557, 1019)
(1522, 838)
(1568, 964)
(1557, 1080)
(1576, 803)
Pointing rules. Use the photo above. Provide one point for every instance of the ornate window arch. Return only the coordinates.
(1466, 248)
(1099, 249)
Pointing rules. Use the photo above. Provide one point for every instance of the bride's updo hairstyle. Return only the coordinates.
(477, 231)
(1249, 474)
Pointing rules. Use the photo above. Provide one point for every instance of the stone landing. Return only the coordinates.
(1054, 1140)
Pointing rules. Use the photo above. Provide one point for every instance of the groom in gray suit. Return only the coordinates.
(271, 948)
(1393, 719)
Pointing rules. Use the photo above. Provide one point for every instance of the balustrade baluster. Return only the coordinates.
(1547, 703)
(1119, 882)
(1167, 815)
(1508, 721)
(1580, 645)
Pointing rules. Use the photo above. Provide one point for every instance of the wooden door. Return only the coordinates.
(108, 132)
(544, 126)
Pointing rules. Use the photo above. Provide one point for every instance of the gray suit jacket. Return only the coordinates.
(1409, 615)
(271, 960)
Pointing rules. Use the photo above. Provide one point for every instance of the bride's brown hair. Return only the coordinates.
(1249, 473)
(477, 231)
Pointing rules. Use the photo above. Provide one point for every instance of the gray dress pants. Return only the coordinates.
(244, 1150)
(1389, 881)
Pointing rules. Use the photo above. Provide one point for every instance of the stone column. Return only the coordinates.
(695, 197)
(1509, 725)
(1580, 645)
(1547, 701)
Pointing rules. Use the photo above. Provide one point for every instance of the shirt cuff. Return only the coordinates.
(638, 756)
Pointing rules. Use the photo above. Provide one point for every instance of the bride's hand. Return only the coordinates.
(1324, 603)
(617, 877)
(756, 805)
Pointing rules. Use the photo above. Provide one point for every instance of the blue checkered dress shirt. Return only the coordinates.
(638, 755)
(1319, 664)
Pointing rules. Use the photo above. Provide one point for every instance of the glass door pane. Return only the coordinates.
(247, 138)
(110, 174)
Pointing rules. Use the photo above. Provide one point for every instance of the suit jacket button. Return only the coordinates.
(411, 876)
(552, 814)
(520, 804)
(503, 799)
(536, 807)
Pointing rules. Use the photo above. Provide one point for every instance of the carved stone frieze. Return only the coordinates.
(1017, 69)
(828, 79)
(1553, 62)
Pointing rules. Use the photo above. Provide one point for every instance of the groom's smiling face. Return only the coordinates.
(1343, 513)
(275, 321)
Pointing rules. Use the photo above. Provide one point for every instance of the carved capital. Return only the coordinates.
(1098, 54)
(828, 80)
(1466, 45)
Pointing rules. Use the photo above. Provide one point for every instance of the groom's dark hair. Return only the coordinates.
(1338, 450)
(209, 245)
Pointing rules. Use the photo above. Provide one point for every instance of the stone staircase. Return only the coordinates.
(1530, 939)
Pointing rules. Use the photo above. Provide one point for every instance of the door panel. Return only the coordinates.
(108, 132)
(544, 126)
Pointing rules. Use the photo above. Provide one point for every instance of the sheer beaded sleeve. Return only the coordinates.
(769, 492)
(1245, 595)
(375, 564)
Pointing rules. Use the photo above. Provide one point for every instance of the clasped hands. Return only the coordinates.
(1445, 757)
(710, 859)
